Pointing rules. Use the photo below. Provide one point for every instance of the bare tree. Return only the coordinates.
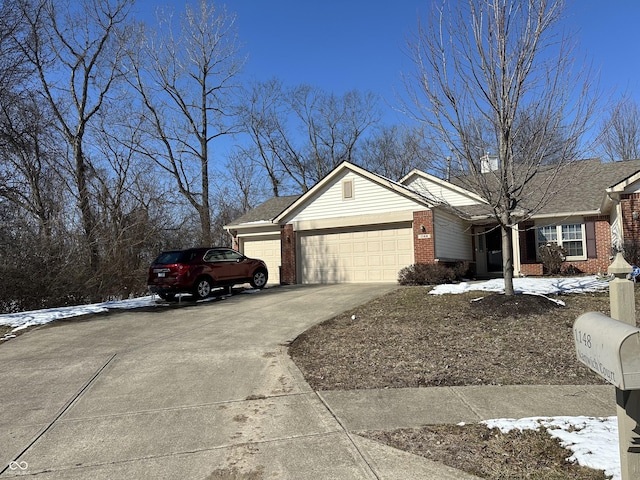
(28, 173)
(620, 133)
(393, 151)
(263, 115)
(76, 53)
(332, 126)
(14, 67)
(185, 80)
(300, 134)
(496, 76)
(244, 181)
(130, 203)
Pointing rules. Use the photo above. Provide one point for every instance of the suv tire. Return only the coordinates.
(202, 288)
(259, 278)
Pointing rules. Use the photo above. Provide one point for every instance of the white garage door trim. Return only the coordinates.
(267, 248)
(355, 255)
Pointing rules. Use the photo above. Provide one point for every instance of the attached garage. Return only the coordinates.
(355, 255)
(353, 226)
(266, 248)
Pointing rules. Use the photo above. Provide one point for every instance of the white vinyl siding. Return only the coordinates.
(266, 248)
(441, 192)
(452, 237)
(368, 198)
(355, 255)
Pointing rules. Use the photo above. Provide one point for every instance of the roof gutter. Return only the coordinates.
(253, 229)
(584, 213)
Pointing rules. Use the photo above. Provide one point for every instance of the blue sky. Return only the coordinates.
(339, 45)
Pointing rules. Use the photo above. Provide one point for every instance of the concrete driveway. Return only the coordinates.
(205, 391)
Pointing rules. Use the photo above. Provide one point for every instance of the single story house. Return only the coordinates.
(357, 226)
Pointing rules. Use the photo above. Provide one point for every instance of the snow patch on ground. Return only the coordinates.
(532, 286)
(593, 440)
(22, 320)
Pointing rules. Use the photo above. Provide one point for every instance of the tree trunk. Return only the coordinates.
(204, 208)
(84, 204)
(507, 259)
(205, 222)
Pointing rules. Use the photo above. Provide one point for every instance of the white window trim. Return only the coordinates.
(569, 258)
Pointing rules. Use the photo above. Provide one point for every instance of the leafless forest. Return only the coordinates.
(119, 139)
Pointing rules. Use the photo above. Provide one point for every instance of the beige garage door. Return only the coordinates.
(356, 255)
(268, 249)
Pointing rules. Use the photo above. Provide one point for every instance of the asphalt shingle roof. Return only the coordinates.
(580, 187)
(266, 211)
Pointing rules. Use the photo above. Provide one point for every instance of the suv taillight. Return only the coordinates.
(182, 268)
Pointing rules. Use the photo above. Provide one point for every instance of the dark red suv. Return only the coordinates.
(198, 270)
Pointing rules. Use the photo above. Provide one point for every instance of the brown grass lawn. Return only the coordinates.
(411, 339)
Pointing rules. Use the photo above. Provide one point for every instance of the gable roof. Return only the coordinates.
(625, 182)
(265, 212)
(582, 188)
(442, 183)
(374, 177)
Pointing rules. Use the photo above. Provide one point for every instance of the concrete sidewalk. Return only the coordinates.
(209, 392)
(388, 409)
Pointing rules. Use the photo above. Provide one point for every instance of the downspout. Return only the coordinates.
(234, 240)
(515, 240)
(615, 198)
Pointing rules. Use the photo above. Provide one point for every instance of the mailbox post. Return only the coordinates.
(611, 348)
(623, 308)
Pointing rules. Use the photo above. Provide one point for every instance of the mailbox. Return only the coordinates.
(610, 348)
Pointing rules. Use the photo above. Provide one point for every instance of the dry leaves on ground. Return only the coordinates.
(411, 339)
(489, 453)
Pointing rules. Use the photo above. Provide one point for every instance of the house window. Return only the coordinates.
(347, 189)
(571, 237)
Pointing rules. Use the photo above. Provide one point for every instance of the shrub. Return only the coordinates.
(630, 251)
(553, 257)
(432, 273)
(571, 271)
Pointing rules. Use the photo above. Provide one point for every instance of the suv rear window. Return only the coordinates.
(167, 258)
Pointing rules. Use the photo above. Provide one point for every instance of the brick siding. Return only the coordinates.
(288, 254)
(528, 269)
(630, 203)
(423, 248)
(590, 265)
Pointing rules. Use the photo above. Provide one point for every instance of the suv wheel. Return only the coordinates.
(259, 279)
(202, 288)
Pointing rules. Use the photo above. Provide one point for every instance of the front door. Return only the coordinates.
(493, 237)
(481, 251)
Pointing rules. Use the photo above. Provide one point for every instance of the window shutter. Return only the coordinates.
(590, 229)
(531, 244)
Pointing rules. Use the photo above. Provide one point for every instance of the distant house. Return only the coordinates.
(357, 226)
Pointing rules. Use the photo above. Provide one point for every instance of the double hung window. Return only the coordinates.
(569, 236)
